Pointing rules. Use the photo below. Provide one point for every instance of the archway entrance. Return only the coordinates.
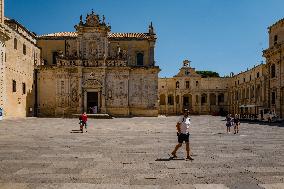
(92, 102)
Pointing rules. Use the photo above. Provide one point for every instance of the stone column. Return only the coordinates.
(208, 102)
(85, 100)
(166, 101)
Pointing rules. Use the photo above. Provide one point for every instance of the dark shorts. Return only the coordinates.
(183, 137)
(83, 123)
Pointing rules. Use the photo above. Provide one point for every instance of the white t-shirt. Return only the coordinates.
(184, 124)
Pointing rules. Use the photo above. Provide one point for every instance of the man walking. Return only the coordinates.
(183, 134)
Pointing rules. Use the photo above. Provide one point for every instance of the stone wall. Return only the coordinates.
(248, 89)
(21, 59)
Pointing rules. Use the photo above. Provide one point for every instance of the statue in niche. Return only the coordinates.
(117, 50)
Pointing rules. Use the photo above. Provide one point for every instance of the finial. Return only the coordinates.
(151, 28)
(92, 11)
(104, 18)
(81, 20)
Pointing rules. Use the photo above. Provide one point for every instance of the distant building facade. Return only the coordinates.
(259, 88)
(94, 69)
(188, 90)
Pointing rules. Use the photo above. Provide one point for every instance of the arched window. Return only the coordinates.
(203, 99)
(162, 99)
(273, 74)
(15, 43)
(140, 58)
(171, 100)
(177, 84)
(221, 98)
(275, 39)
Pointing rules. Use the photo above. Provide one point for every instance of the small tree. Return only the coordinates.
(205, 74)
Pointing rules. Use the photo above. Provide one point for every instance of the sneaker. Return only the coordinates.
(189, 158)
(173, 156)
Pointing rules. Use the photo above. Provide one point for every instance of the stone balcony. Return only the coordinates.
(91, 63)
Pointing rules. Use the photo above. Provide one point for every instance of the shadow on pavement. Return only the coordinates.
(275, 124)
(169, 159)
(76, 131)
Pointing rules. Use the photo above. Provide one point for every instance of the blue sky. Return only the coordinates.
(219, 35)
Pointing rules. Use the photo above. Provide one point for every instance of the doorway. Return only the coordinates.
(92, 102)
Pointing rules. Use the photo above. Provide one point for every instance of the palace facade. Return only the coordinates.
(250, 92)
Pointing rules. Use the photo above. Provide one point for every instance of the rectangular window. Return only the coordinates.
(15, 43)
(257, 75)
(187, 84)
(24, 49)
(14, 86)
(273, 98)
(196, 83)
(24, 88)
(170, 100)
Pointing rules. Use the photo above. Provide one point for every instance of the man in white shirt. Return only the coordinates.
(183, 134)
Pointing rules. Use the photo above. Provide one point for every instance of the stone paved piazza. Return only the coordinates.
(132, 153)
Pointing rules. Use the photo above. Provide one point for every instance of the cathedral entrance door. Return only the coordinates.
(92, 102)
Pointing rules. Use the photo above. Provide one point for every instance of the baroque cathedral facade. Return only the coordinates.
(115, 73)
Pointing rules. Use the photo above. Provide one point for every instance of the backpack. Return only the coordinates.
(80, 117)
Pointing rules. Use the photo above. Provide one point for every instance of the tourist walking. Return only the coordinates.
(229, 123)
(183, 134)
(83, 121)
(237, 124)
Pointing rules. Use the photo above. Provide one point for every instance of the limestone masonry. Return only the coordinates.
(97, 71)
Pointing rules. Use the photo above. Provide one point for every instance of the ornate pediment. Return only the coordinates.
(92, 83)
